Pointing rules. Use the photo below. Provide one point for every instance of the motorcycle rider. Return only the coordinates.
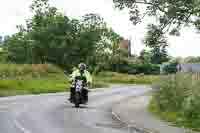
(81, 71)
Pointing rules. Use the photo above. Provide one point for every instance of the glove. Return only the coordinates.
(72, 83)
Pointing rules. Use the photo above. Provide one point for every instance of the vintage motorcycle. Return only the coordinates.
(80, 91)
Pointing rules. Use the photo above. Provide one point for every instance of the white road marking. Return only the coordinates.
(20, 127)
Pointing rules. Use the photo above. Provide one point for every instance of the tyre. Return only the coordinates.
(77, 100)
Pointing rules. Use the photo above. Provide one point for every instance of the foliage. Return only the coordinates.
(113, 77)
(159, 55)
(145, 56)
(51, 37)
(2, 55)
(154, 36)
(137, 68)
(13, 87)
(171, 15)
(34, 79)
(1, 40)
(180, 93)
(169, 67)
(25, 79)
(48, 84)
(156, 41)
(155, 55)
(168, 116)
(26, 71)
(192, 59)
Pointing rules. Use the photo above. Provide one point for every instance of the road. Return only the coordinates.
(52, 113)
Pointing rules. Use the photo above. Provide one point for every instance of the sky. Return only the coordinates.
(13, 13)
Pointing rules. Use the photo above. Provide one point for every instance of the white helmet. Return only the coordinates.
(82, 66)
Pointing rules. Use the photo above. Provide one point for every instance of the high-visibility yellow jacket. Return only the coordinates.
(77, 73)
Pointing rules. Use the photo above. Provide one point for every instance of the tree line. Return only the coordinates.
(52, 37)
(49, 36)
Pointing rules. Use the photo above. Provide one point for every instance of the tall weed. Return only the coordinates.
(26, 70)
(180, 93)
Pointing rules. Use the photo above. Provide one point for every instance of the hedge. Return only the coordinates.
(136, 68)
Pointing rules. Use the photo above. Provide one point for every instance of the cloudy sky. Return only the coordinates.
(13, 13)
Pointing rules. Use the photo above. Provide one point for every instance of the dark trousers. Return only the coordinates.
(72, 93)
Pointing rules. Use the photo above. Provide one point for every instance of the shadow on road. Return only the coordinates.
(81, 107)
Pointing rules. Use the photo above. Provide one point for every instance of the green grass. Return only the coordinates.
(22, 87)
(168, 116)
(175, 119)
(23, 79)
(45, 78)
(12, 87)
(113, 77)
(26, 71)
(177, 100)
(50, 84)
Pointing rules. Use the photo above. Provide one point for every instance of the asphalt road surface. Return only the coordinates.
(52, 113)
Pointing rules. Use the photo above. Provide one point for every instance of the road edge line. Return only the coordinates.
(131, 126)
(20, 127)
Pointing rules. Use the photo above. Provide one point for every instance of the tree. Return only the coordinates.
(169, 13)
(1, 40)
(192, 59)
(51, 37)
(145, 56)
(105, 39)
(18, 49)
(155, 39)
(171, 16)
(159, 55)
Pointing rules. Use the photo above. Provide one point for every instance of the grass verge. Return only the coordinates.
(113, 77)
(12, 87)
(176, 99)
(173, 118)
(46, 78)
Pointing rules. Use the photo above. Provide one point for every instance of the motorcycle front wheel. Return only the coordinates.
(77, 100)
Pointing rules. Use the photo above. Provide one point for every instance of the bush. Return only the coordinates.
(27, 70)
(113, 77)
(170, 67)
(180, 93)
(138, 68)
(3, 55)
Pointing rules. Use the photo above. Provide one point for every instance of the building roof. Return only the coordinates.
(124, 44)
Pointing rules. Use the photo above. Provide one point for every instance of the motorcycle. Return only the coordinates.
(80, 91)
